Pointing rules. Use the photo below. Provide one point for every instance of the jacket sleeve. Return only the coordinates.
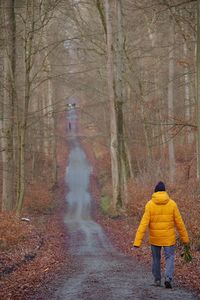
(142, 227)
(180, 225)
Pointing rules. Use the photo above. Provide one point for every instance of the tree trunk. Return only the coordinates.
(124, 171)
(21, 170)
(51, 116)
(172, 166)
(22, 122)
(147, 136)
(187, 93)
(116, 200)
(8, 106)
(198, 90)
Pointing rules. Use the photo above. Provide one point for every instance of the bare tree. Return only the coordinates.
(114, 143)
(198, 90)
(172, 164)
(8, 105)
(124, 172)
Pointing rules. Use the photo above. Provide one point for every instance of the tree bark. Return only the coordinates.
(22, 122)
(124, 171)
(172, 166)
(198, 90)
(8, 106)
(113, 116)
(50, 110)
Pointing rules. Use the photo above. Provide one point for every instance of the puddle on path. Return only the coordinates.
(103, 272)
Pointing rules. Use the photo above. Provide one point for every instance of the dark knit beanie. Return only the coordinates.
(159, 187)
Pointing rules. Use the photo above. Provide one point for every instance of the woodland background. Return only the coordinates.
(133, 70)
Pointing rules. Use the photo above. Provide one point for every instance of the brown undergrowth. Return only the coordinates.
(34, 250)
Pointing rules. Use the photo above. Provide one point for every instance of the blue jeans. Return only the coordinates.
(169, 252)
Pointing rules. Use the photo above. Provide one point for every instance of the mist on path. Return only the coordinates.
(103, 272)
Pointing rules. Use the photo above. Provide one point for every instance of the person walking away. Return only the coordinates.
(161, 216)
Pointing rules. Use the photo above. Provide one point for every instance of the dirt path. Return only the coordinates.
(103, 272)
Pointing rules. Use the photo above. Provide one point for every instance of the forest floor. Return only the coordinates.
(34, 250)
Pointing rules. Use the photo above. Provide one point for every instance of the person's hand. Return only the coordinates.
(187, 244)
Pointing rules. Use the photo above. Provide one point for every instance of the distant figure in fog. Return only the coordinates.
(161, 216)
(70, 126)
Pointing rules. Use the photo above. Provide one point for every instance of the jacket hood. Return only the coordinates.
(160, 198)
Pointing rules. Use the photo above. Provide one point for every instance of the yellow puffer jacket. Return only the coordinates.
(161, 216)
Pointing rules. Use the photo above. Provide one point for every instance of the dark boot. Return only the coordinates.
(168, 284)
